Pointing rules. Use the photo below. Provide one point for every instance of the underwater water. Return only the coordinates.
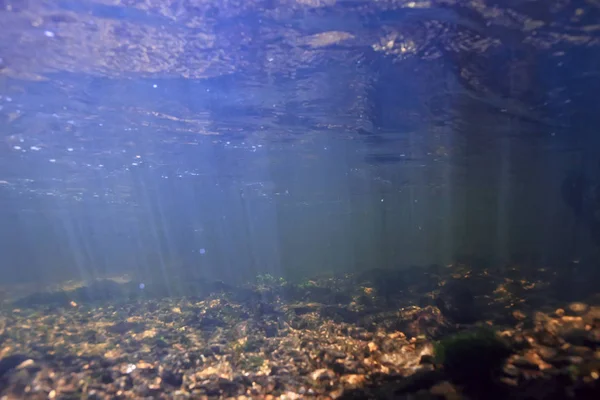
(299, 199)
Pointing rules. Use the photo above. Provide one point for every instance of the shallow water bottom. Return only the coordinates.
(373, 335)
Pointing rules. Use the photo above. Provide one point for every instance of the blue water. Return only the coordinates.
(226, 141)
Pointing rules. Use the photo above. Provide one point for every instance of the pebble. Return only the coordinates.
(547, 353)
(519, 315)
(372, 347)
(322, 374)
(578, 308)
(445, 390)
(524, 363)
(511, 370)
(353, 380)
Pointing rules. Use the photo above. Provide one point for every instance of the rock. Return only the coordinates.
(427, 359)
(353, 380)
(11, 362)
(578, 337)
(335, 354)
(511, 371)
(531, 361)
(419, 381)
(123, 327)
(519, 315)
(360, 333)
(578, 308)
(322, 374)
(457, 302)
(171, 378)
(445, 390)
(524, 363)
(547, 353)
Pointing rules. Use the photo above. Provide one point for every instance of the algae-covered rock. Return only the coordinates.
(472, 356)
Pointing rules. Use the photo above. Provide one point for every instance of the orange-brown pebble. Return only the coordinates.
(518, 315)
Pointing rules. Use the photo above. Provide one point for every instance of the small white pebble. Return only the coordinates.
(35, 148)
(52, 160)
(17, 147)
(69, 149)
(49, 33)
(155, 86)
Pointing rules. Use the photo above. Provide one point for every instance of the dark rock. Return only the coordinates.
(160, 343)
(510, 370)
(123, 327)
(301, 309)
(524, 363)
(172, 378)
(427, 359)
(106, 377)
(228, 387)
(265, 309)
(216, 349)
(457, 302)
(335, 355)
(210, 323)
(11, 362)
(472, 356)
(270, 330)
(579, 337)
(418, 381)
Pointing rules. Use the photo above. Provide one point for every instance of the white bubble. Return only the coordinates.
(35, 148)
(202, 251)
(52, 160)
(142, 285)
(17, 147)
(49, 33)
(138, 156)
(69, 149)
(155, 86)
